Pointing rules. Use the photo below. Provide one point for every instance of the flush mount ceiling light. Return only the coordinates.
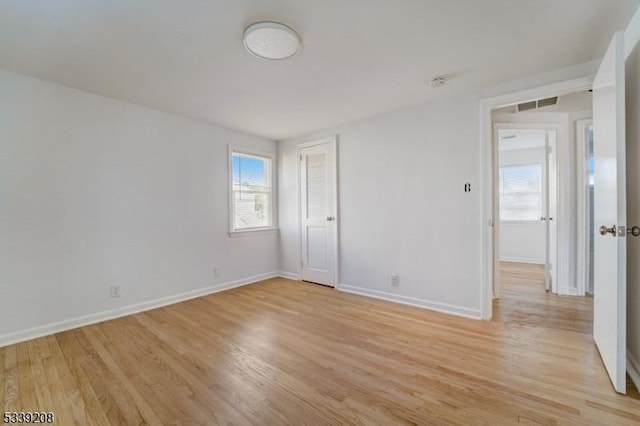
(271, 41)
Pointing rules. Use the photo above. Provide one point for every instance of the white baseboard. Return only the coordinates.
(633, 368)
(420, 303)
(289, 275)
(521, 260)
(45, 330)
(570, 292)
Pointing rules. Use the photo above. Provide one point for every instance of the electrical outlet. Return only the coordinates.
(115, 291)
(216, 271)
(395, 280)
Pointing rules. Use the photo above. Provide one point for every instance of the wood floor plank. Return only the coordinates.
(60, 403)
(11, 387)
(3, 379)
(179, 372)
(71, 348)
(198, 362)
(116, 402)
(139, 403)
(10, 357)
(37, 355)
(285, 352)
(26, 384)
(156, 379)
(71, 407)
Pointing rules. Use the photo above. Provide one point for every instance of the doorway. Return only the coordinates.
(526, 202)
(610, 260)
(318, 212)
(585, 184)
(563, 115)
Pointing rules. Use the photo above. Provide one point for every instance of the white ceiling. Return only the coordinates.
(360, 57)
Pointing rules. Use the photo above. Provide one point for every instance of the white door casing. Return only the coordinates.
(609, 322)
(551, 211)
(318, 212)
(583, 196)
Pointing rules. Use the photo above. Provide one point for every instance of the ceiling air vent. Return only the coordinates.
(547, 102)
(526, 106)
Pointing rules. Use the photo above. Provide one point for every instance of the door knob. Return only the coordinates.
(542, 218)
(634, 230)
(604, 230)
(330, 218)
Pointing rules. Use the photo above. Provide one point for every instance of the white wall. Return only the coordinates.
(633, 212)
(95, 192)
(523, 241)
(402, 205)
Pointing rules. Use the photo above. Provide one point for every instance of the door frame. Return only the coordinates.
(487, 190)
(500, 125)
(583, 197)
(333, 142)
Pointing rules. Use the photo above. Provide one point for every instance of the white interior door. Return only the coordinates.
(318, 213)
(632, 94)
(551, 207)
(610, 258)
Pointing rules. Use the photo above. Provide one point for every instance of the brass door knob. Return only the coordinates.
(634, 230)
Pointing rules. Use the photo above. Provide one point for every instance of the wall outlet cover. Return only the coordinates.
(395, 280)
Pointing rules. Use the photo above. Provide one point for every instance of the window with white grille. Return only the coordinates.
(521, 193)
(251, 191)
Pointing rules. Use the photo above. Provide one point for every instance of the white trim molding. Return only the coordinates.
(289, 275)
(522, 260)
(413, 301)
(57, 327)
(633, 369)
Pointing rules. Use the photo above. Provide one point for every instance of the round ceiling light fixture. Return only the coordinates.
(271, 41)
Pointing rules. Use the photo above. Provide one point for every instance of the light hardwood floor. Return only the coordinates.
(523, 300)
(285, 352)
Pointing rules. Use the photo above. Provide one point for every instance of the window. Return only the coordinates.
(251, 195)
(521, 193)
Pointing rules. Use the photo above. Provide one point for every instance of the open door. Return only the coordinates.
(551, 213)
(610, 257)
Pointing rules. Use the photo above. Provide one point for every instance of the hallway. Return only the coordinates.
(523, 300)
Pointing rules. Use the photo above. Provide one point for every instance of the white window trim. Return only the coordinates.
(272, 207)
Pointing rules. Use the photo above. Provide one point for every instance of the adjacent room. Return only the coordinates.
(364, 212)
